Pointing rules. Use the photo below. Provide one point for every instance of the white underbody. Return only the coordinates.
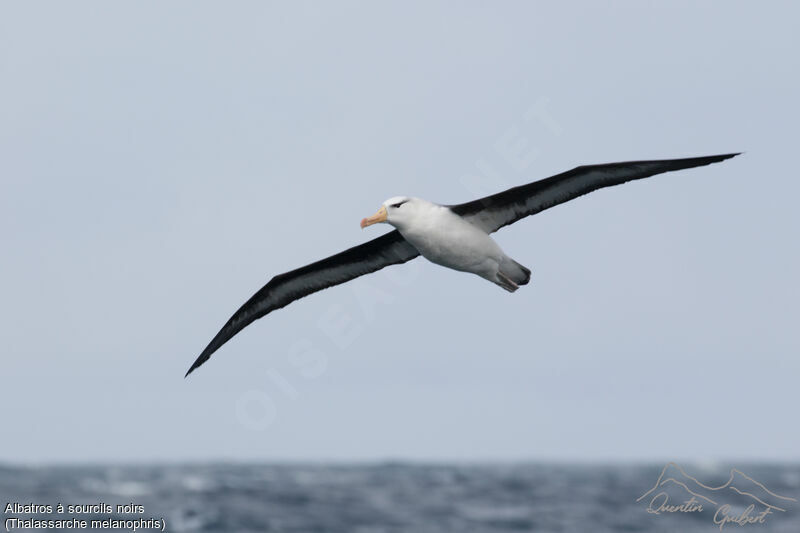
(446, 239)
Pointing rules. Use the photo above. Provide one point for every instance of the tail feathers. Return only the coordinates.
(525, 277)
(511, 275)
(516, 272)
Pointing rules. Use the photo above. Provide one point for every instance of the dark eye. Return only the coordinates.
(398, 204)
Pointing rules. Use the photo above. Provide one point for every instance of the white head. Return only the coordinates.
(396, 211)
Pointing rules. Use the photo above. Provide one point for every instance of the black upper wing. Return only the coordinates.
(389, 249)
(493, 212)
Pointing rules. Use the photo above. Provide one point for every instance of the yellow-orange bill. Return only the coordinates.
(380, 216)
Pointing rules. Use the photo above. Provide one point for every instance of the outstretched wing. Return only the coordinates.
(493, 212)
(389, 249)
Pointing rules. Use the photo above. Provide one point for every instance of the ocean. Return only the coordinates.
(403, 497)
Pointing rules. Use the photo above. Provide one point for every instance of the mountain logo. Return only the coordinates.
(740, 500)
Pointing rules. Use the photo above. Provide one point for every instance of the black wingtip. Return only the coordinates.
(219, 339)
(200, 360)
(712, 158)
(723, 157)
(692, 162)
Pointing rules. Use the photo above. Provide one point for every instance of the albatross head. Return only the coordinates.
(395, 211)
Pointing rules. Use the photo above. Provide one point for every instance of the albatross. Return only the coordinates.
(454, 236)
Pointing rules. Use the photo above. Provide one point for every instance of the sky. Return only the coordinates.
(160, 162)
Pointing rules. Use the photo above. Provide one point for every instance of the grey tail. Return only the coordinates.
(511, 275)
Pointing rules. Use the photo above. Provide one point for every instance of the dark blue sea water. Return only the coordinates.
(400, 497)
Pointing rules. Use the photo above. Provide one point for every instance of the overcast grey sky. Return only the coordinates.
(159, 162)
